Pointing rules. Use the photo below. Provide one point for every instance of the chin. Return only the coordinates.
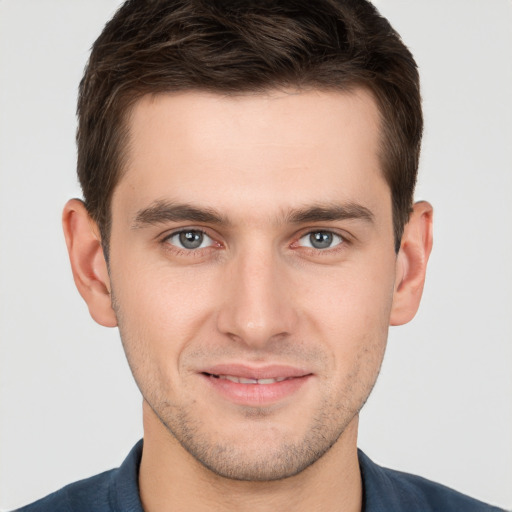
(259, 452)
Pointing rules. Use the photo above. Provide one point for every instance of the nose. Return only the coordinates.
(257, 306)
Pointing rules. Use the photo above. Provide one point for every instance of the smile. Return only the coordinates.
(243, 380)
(253, 386)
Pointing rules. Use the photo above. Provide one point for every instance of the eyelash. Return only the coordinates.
(326, 250)
(344, 241)
(181, 251)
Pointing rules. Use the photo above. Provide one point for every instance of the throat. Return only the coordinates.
(171, 479)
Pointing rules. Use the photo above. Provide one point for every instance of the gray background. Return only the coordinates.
(443, 404)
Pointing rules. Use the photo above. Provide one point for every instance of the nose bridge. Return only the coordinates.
(256, 306)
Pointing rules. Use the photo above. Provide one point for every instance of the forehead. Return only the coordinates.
(272, 150)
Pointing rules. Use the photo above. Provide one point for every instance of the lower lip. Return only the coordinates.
(256, 394)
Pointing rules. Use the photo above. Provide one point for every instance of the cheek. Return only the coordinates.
(160, 311)
(355, 295)
(351, 309)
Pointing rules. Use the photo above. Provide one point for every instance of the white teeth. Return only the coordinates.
(243, 380)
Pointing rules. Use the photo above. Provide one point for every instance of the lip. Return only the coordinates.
(255, 394)
(255, 372)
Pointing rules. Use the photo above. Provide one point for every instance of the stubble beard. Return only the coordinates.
(271, 461)
(262, 461)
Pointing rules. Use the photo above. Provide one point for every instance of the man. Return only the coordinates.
(248, 174)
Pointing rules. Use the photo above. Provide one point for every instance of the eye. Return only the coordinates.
(320, 240)
(190, 239)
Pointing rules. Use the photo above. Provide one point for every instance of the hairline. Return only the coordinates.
(130, 98)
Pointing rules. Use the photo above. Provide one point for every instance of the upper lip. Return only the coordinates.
(255, 372)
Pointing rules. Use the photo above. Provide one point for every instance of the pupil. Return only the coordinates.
(321, 239)
(191, 239)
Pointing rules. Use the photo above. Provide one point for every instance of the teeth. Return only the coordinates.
(243, 380)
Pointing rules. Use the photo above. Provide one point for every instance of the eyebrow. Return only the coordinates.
(330, 212)
(161, 211)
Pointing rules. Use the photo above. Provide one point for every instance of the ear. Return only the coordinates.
(411, 264)
(88, 263)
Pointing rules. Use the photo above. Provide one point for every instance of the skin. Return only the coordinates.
(255, 294)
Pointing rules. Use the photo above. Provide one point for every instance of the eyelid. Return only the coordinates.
(337, 239)
(166, 239)
(347, 240)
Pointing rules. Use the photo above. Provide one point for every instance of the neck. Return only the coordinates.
(171, 480)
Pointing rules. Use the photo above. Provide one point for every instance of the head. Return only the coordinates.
(232, 47)
(250, 171)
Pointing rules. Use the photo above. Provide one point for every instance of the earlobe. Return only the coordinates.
(88, 263)
(411, 264)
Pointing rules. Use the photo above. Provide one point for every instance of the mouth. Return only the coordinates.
(251, 386)
(245, 380)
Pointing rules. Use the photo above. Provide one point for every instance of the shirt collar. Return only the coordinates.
(379, 491)
(125, 489)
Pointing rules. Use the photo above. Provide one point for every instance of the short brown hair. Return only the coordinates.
(234, 46)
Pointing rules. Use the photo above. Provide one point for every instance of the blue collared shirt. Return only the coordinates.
(384, 490)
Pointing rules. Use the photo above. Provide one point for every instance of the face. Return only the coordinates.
(252, 267)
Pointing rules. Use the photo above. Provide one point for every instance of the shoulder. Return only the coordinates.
(85, 495)
(434, 496)
(387, 489)
(114, 490)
